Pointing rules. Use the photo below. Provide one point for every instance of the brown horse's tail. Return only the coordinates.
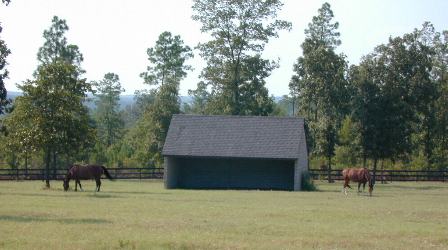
(106, 173)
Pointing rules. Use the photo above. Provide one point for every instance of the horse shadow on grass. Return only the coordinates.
(65, 195)
(16, 218)
(103, 195)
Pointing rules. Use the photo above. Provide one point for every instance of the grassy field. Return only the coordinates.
(143, 215)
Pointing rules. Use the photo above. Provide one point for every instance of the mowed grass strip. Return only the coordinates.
(143, 215)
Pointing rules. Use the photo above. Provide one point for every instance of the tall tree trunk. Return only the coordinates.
(54, 165)
(329, 170)
(375, 161)
(236, 100)
(47, 168)
(26, 164)
(14, 166)
(293, 106)
(364, 160)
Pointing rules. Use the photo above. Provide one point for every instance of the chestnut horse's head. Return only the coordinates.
(371, 184)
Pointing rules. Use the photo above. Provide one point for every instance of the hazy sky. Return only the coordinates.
(113, 35)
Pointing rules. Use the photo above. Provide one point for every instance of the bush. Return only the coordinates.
(307, 182)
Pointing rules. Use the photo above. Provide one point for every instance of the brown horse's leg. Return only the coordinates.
(359, 187)
(98, 184)
(80, 185)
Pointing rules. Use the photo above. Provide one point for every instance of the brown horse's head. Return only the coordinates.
(67, 179)
(65, 184)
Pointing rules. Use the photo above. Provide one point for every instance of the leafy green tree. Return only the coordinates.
(134, 145)
(367, 109)
(235, 71)
(167, 68)
(4, 52)
(395, 98)
(404, 70)
(55, 47)
(159, 116)
(200, 98)
(107, 115)
(50, 116)
(439, 75)
(19, 133)
(319, 82)
(284, 106)
(167, 60)
(134, 111)
(425, 88)
(348, 149)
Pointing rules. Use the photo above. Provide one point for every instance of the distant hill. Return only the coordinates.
(125, 100)
(12, 94)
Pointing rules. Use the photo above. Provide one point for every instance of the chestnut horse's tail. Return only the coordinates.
(106, 173)
(367, 176)
(346, 178)
(369, 179)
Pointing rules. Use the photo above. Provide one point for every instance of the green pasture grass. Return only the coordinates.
(143, 215)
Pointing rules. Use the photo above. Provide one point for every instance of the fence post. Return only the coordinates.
(443, 175)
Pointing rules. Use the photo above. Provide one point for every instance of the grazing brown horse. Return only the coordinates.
(78, 172)
(360, 175)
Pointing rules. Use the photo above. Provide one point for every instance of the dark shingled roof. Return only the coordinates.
(235, 136)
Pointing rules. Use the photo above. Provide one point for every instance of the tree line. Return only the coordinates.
(391, 108)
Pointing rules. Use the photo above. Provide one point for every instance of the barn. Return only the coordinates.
(235, 152)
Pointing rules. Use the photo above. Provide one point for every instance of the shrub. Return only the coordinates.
(307, 182)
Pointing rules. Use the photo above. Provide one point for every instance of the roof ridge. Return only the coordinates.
(244, 116)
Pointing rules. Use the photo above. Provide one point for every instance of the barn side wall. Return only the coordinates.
(171, 173)
(230, 173)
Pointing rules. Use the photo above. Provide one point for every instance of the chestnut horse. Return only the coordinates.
(88, 172)
(360, 175)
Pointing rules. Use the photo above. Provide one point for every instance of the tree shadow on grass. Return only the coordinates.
(139, 192)
(15, 218)
(33, 194)
(65, 195)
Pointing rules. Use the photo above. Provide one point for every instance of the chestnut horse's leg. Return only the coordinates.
(346, 181)
(359, 187)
